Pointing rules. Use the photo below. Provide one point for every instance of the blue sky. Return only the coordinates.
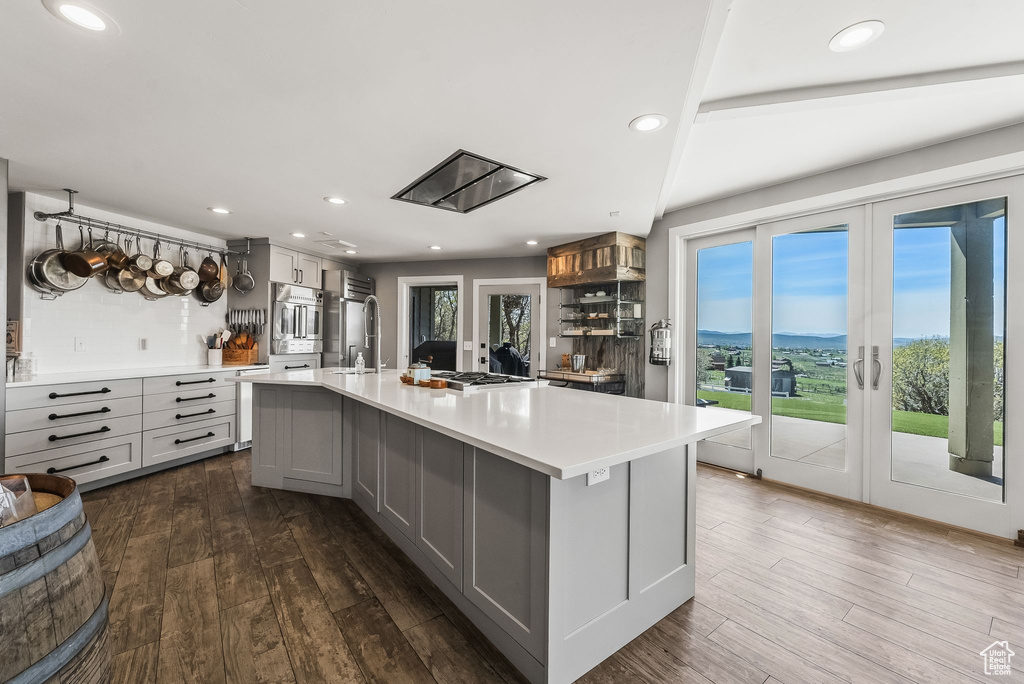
(810, 283)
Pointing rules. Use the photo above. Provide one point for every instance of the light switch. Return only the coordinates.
(467, 345)
(553, 342)
(79, 344)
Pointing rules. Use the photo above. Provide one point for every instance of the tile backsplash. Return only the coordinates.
(110, 326)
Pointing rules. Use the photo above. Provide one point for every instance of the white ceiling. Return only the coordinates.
(779, 105)
(265, 107)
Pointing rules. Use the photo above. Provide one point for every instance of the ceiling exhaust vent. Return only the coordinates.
(464, 182)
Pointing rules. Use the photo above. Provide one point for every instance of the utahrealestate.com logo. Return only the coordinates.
(997, 658)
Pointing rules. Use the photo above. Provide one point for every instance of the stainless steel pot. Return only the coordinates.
(161, 268)
(47, 273)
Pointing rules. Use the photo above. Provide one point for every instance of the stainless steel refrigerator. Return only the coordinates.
(344, 331)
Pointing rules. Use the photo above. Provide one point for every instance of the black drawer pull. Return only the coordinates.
(305, 365)
(193, 382)
(55, 416)
(192, 439)
(211, 395)
(53, 471)
(54, 438)
(54, 395)
(193, 415)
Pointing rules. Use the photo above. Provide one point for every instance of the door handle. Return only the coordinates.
(858, 367)
(301, 276)
(295, 277)
(876, 366)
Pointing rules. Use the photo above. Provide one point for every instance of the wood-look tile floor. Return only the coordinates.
(213, 580)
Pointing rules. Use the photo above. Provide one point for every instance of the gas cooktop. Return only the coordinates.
(473, 381)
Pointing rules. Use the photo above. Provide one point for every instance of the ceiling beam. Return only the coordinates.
(872, 91)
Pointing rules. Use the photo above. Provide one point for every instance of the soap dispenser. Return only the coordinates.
(360, 363)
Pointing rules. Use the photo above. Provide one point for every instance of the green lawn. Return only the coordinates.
(831, 409)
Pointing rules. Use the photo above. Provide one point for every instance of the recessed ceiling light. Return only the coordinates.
(219, 210)
(531, 242)
(435, 246)
(648, 122)
(81, 14)
(334, 200)
(350, 251)
(856, 36)
(298, 235)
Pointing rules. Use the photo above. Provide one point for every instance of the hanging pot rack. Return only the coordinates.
(70, 216)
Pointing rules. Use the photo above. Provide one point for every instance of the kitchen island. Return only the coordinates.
(560, 522)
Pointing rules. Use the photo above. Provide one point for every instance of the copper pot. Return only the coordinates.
(118, 259)
(209, 270)
(86, 262)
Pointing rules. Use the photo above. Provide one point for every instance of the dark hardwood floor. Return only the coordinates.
(214, 580)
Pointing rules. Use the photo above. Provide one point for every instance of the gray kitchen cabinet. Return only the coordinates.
(366, 446)
(398, 493)
(439, 496)
(316, 436)
(296, 268)
(505, 546)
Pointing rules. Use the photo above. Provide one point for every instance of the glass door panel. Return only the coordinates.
(809, 315)
(941, 324)
(810, 291)
(724, 359)
(509, 332)
(719, 337)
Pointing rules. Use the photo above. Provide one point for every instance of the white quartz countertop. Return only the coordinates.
(560, 432)
(120, 374)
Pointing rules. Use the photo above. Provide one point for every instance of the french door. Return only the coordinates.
(946, 345)
(876, 344)
(509, 328)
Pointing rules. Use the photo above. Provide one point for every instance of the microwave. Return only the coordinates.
(298, 323)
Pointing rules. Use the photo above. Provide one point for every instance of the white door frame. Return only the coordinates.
(998, 518)
(724, 455)
(848, 482)
(404, 283)
(542, 281)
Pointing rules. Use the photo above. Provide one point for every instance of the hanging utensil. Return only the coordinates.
(188, 278)
(211, 291)
(209, 269)
(127, 279)
(140, 263)
(151, 289)
(118, 258)
(225, 275)
(86, 262)
(244, 281)
(47, 272)
(161, 268)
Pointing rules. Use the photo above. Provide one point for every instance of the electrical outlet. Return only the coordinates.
(553, 342)
(79, 344)
(467, 345)
(599, 475)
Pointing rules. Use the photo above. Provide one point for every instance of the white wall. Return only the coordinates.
(110, 324)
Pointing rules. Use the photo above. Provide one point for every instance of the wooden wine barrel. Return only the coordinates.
(53, 612)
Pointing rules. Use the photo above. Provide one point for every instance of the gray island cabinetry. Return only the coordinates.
(558, 574)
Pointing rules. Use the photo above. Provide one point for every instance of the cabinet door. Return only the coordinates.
(506, 546)
(367, 457)
(310, 274)
(398, 495)
(284, 265)
(439, 495)
(316, 436)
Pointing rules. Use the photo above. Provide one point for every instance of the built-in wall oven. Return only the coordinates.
(298, 320)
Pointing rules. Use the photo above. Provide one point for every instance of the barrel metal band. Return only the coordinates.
(52, 662)
(45, 564)
(31, 530)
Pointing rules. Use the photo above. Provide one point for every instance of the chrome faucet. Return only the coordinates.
(378, 366)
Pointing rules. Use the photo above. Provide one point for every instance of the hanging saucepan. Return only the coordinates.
(47, 272)
(210, 291)
(151, 289)
(170, 283)
(161, 268)
(86, 262)
(109, 279)
(184, 277)
(105, 246)
(140, 263)
(127, 279)
(118, 258)
(244, 282)
(208, 270)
